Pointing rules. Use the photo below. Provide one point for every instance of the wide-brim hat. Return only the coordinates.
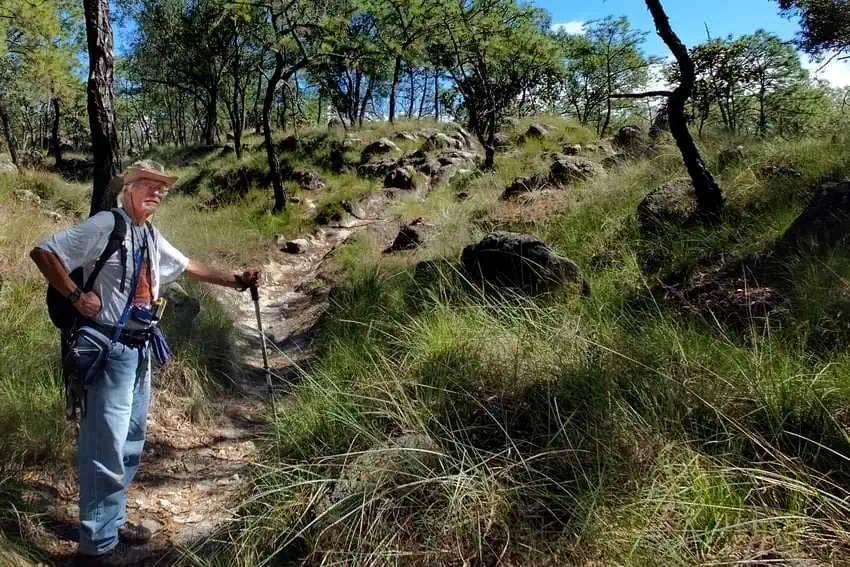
(143, 169)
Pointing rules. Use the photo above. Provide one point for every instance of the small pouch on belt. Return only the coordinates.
(90, 354)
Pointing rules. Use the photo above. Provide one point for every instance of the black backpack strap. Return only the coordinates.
(116, 242)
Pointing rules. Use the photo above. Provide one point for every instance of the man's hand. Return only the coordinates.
(88, 305)
(248, 278)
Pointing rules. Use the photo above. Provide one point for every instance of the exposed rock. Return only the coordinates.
(410, 237)
(376, 169)
(26, 196)
(390, 464)
(629, 139)
(378, 147)
(500, 141)
(673, 202)
(510, 122)
(516, 261)
(440, 141)
(537, 131)
(401, 178)
(615, 160)
(353, 209)
(54, 216)
(462, 196)
(824, 223)
(32, 158)
(228, 148)
(524, 185)
(466, 135)
(7, 166)
(297, 246)
(409, 136)
(309, 180)
(181, 306)
(572, 149)
(729, 157)
(785, 171)
(288, 144)
(568, 169)
(661, 122)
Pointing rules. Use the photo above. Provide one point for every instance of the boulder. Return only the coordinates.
(524, 185)
(409, 237)
(408, 136)
(377, 169)
(440, 141)
(288, 144)
(824, 223)
(389, 464)
(7, 166)
(181, 306)
(26, 196)
(465, 135)
(536, 131)
(520, 262)
(297, 246)
(729, 157)
(674, 202)
(378, 147)
(785, 171)
(629, 139)
(615, 160)
(401, 178)
(569, 169)
(309, 180)
(500, 141)
(510, 122)
(572, 149)
(353, 209)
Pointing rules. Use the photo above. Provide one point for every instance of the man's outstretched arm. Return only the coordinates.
(209, 274)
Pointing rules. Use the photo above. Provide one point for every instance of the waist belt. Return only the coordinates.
(135, 338)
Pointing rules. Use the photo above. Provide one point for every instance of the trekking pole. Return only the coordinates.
(255, 296)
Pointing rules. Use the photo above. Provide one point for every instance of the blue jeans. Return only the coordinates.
(112, 436)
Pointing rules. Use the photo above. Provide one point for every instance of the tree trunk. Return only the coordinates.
(762, 115)
(100, 95)
(394, 86)
(55, 144)
(211, 124)
(366, 98)
(437, 94)
(412, 101)
(319, 109)
(271, 154)
(8, 136)
(708, 194)
(422, 99)
(608, 98)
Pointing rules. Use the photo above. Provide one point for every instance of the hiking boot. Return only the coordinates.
(134, 534)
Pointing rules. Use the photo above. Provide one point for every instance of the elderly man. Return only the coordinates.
(116, 323)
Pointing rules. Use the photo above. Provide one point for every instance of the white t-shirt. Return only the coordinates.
(82, 244)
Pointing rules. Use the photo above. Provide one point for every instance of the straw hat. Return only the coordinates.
(143, 169)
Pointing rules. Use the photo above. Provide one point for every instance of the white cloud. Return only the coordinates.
(573, 27)
(836, 72)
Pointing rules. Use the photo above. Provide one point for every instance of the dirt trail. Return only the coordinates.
(192, 475)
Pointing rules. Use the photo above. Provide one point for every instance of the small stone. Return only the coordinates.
(54, 216)
(152, 525)
(297, 246)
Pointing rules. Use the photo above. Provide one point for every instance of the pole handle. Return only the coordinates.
(255, 293)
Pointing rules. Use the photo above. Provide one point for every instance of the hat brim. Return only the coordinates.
(136, 174)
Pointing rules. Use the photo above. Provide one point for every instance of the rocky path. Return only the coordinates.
(193, 474)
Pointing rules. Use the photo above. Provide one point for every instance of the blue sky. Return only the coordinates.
(689, 19)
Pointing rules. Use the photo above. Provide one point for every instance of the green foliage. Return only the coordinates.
(825, 24)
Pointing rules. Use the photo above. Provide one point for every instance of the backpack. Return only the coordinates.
(62, 312)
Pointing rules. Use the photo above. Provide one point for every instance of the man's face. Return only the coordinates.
(147, 195)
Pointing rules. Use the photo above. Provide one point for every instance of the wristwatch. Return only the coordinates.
(74, 296)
